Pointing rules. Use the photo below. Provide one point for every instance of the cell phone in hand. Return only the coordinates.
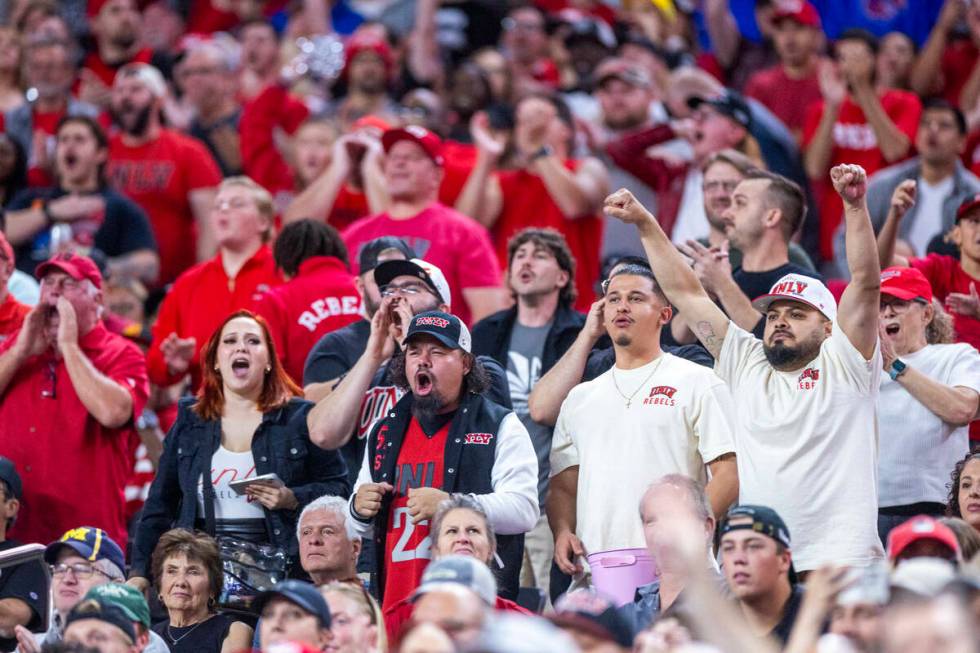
(268, 480)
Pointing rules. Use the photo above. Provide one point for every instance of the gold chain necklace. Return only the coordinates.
(629, 399)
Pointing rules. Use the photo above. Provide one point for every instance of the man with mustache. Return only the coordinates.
(69, 385)
(116, 26)
(650, 415)
(170, 175)
(807, 420)
(443, 436)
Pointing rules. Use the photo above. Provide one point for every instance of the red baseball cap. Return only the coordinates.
(967, 205)
(905, 283)
(425, 139)
(799, 11)
(359, 43)
(920, 528)
(74, 265)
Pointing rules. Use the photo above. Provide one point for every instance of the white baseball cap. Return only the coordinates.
(432, 276)
(803, 289)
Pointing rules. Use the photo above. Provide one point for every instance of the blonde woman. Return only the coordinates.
(355, 620)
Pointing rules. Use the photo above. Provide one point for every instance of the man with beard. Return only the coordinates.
(367, 71)
(172, 176)
(650, 415)
(764, 212)
(367, 391)
(443, 436)
(807, 425)
(96, 216)
(69, 385)
(116, 26)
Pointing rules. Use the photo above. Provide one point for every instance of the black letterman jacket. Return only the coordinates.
(488, 455)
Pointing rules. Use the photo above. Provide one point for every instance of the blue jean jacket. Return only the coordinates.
(281, 444)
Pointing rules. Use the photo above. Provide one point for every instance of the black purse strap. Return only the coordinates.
(209, 521)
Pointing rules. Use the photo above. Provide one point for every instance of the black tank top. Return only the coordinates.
(203, 637)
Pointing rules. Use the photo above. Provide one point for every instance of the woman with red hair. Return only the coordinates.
(247, 421)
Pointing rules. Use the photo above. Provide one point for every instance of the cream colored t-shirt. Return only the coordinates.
(808, 445)
(677, 421)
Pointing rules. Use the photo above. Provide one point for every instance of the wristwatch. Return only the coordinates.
(897, 369)
(543, 151)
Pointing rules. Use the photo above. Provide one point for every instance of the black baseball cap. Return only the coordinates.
(303, 594)
(8, 474)
(729, 103)
(762, 520)
(589, 611)
(110, 614)
(447, 329)
(429, 274)
(367, 258)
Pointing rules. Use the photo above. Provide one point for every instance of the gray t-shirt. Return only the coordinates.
(523, 371)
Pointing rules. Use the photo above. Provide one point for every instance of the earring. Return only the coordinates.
(268, 368)
(160, 598)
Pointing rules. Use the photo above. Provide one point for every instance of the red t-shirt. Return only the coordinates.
(460, 159)
(447, 239)
(107, 73)
(159, 176)
(855, 142)
(958, 61)
(12, 314)
(407, 545)
(73, 468)
(527, 203)
(786, 97)
(321, 298)
(198, 302)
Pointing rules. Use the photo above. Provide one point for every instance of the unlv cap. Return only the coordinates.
(803, 289)
(421, 136)
(447, 329)
(432, 276)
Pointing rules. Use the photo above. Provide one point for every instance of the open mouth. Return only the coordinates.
(526, 276)
(423, 383)
(70, 160)
(240, 367)
(892, 329)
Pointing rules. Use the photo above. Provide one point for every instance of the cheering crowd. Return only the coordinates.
(436, 326)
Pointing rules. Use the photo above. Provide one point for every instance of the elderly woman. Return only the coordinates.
(964, 491)
(187, 571)
(460, 527)
(247, 421)
(356, 620)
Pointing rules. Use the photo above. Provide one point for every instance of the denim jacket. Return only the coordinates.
(281, 444)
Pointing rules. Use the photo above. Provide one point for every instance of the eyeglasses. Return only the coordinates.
(510, 25)
(81, 570)
(900, 305)
(408, 289)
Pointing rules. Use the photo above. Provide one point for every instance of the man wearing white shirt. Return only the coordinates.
(928, 398)
(806, 425)
(650, 415)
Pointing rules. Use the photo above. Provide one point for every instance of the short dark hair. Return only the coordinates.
(477, 380)
(953, 501)
(257, 22)
(942, 104)
(101, 139)
(305, 239)
(555, 243)
(858, 34)
(196, 546)
(8, 494)
(785, 195)
(635, 270)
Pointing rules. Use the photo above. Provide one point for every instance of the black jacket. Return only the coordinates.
(491, 335)
(467, 470)
(281, 444)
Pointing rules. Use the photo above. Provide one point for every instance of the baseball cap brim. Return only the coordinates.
(967, 206)
(293, 597)
(441, 337)
(388, 271)
(64, 266)
(762, 303)
(52, 550)
(392, 136)
(901, 293)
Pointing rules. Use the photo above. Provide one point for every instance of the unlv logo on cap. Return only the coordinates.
(440, 322)
(789, 288)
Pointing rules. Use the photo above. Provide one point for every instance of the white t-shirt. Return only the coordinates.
(918, 450)
(677, 421)
(929, 215)
(692, 221)
(808, 445)
(226, 467)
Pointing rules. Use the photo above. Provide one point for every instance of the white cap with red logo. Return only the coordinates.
(800, 288)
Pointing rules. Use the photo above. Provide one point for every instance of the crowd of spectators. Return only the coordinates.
(438, 326)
